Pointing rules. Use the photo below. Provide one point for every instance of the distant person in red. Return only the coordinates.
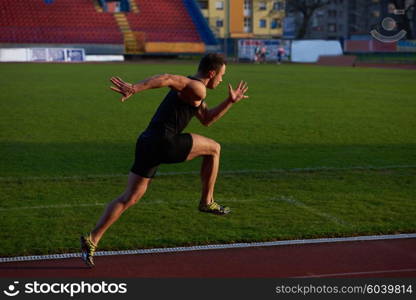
(280, 53)
(163, 141)
(263, 52)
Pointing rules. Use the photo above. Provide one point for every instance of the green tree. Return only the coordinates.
(306, 8)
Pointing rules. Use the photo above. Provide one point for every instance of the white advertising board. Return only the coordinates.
(310, 50)
(42, 55)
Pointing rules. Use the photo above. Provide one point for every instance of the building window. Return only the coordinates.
(332, 27)
(247, 4)
(375, 13)
(262, 5)
(317, 20)
(276, 23)
(391, 8)
(219, 23)
(278, 5)
(262, 23)
(219, 5)
(332, 13)
(203, 4)
(275, 5)
(247, 25)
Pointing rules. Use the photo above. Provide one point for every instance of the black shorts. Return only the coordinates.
(153, 151)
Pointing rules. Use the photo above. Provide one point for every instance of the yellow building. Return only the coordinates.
(244, 18)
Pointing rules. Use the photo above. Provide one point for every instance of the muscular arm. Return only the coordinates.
(208, 116)
(189, 90)
(175, 82)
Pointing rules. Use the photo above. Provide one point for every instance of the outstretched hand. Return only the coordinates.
(239, 93)
(124, 88)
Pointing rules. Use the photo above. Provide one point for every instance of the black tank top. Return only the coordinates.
(171, 117)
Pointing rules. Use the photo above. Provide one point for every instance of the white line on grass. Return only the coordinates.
(155, 201)
(212, 247)
(52, 206)
(314, 211)
(150, 201)
(287, 199)
(243, 171)
(358, 273)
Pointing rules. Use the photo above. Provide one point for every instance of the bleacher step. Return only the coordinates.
(130, 42)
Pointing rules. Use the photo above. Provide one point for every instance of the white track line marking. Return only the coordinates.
(212, 247)
(357, 273)
(287, 199)
(231, 172)
(313, 211)
(52, 206)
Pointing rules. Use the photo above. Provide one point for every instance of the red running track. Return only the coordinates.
(381, 258)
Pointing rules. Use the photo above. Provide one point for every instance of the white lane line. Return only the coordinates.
(287, 199)
(51, 206)
(213, 247)
(149, 201)
(357, 273)
(247, 171)
(297, 203)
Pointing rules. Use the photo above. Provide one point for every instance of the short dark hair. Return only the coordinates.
(211, 61)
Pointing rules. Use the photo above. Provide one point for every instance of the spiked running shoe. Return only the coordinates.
(214, 208)
(87, 250)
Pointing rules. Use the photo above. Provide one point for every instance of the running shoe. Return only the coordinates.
(214, 208)
(87, 250)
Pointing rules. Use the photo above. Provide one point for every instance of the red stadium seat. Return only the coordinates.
(77, 21)
(63, 21)
(163, 21)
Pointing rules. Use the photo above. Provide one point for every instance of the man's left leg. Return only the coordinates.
(210, 152)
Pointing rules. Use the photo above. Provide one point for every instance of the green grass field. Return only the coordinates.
(314, 152)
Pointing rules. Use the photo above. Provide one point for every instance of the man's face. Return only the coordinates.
(216, 78)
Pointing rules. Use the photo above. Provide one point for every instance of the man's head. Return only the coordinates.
(212, 67)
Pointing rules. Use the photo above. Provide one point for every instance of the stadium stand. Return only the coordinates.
(171, 29)
(62, 21)
(151, 27)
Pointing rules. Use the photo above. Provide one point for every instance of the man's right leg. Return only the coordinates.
(136, 188)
